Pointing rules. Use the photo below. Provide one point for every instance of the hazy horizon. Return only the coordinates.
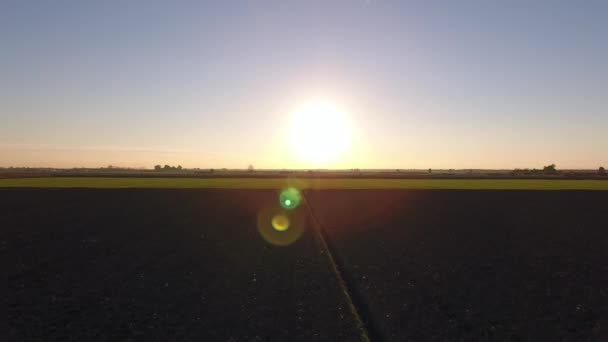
(321, 169)
(422, 85)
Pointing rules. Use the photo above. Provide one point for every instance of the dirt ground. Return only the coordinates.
(159, 265)
(473, 265)
(190, 264)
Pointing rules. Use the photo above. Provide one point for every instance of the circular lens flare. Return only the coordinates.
(290, 198)
(280, 223)
(280, 227)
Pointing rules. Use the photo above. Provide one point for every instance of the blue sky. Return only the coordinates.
(472, 84)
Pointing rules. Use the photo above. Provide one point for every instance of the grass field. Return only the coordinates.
(305, 183)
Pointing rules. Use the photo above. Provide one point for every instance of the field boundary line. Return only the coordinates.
(341, 282)
(306, 183)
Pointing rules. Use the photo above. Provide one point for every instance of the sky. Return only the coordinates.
(211, 84)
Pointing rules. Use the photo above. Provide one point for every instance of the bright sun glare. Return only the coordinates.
(320, 132)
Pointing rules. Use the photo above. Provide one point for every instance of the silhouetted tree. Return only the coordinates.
(179, 167)
(601, 171)
(157, 167)
(166, 167)
(250, 168)
(430, 171)
(550, 169)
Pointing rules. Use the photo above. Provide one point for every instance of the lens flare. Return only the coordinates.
(279, 226)
(290, 198)
(280, 222)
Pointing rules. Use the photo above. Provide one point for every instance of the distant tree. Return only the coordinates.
(430, 171)
(211, 170)
(250, 168)
(157, 167)
(550, 169)
(601, 171)
(110, 166)
(179, 167)
(166, 167)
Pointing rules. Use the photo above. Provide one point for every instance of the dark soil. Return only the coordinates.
(433, 265)
(159, 265)
(421, 265)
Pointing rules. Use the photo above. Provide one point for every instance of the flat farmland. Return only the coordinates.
(159, 265)
(435, 265)
(138, 264)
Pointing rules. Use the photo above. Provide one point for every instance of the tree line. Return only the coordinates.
(550, 170)
(167, 168)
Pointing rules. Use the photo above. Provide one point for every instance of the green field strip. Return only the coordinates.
(304, 183)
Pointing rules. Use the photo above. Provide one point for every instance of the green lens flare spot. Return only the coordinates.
(290, 198)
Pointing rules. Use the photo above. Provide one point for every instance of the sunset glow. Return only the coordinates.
(320, 133)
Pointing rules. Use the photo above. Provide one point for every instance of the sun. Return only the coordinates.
(320, 132)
